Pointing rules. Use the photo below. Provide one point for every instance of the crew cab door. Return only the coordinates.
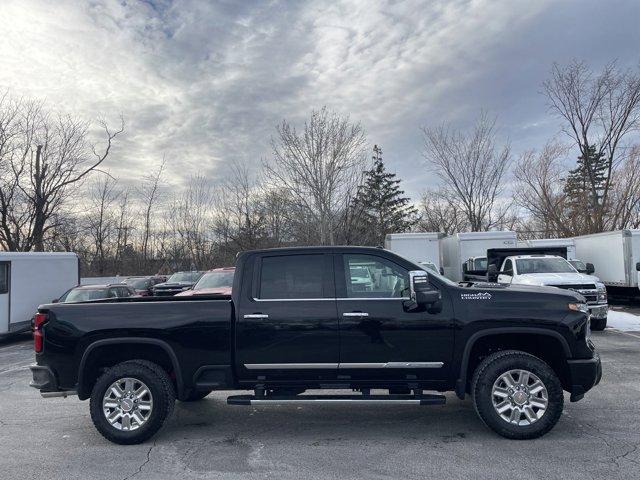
(379, 338)
(287, 326)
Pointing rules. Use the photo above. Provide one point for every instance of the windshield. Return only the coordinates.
(215, 280)
(543, 265)
(83, 294)
(479, 263)
(578, 265)
(138, 283)
(184, 277)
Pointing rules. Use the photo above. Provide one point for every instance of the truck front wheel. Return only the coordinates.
(517, 395)
(130, 401)
(598, 324)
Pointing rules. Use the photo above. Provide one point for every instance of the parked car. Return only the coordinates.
(84, 293)
(178, 282)
(29, 279)
(143, 286)
(296, 321)
(525, 266)
(214, 282)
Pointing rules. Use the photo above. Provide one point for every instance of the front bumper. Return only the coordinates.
(584, 375)
(45, 380)
(598, 311)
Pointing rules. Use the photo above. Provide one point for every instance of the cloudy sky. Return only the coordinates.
(205, 82)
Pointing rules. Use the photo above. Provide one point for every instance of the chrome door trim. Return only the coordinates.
(256, 315)
(311, 366)
(288, 366)
(355, 314)
(393, 365)
(326, 299)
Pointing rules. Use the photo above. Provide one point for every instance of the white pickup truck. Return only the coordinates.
(554, 271)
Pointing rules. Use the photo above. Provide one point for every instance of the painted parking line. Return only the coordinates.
(635, 335)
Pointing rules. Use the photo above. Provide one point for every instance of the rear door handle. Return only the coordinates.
(355, 314)
(257, 315)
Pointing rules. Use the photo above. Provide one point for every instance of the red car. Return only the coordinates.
(216, 281)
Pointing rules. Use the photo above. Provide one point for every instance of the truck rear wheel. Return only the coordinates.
(517, 395)
(130, 401)
(598, 324)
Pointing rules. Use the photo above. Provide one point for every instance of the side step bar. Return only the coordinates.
(425, 399)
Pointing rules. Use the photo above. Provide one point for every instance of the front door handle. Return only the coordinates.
(257, 315)
(355, 314)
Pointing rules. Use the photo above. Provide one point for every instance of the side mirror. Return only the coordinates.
(55, 300)
(492, 273)
(421, 294)
(591, 269)
(442, 270)
(638, 266)
(465, 269)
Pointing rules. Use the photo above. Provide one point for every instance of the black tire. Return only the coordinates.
(499, 363)
(598, 324)
(195, 395)
(162, 392)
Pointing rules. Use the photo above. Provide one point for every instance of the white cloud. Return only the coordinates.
(205, 83)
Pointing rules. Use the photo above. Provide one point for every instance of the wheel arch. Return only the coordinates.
(498, 337)
(85, 376)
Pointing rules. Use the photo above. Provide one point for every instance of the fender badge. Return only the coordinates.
(476, 296)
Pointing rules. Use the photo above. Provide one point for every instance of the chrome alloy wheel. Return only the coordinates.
(127, 404)
(519, 397)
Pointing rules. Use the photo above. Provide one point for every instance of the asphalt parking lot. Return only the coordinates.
(596, 438)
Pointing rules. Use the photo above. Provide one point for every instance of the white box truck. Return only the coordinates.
(470, 248)
(614, 255)
(553, 242)
(29, 279)
(422, 248)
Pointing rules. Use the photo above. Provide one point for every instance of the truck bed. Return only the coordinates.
(196, 329)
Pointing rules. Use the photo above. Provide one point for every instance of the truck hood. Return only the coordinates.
(173, 285)
(556, 279)
(206, 291)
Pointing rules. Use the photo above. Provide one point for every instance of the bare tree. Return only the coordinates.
(46, 156)
(149, 193)
(318, 167)
(473, 168)
(101, 222)
(539, 191)
(439, 212)
(601, 111)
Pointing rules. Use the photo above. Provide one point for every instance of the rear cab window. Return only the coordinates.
(293, 277)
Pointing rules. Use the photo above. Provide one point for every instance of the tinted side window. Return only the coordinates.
(368, 276)
(4, 277)
(292, 276)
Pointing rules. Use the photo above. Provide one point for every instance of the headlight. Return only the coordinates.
(602, 292)
(578, 307)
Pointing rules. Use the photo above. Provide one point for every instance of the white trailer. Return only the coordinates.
(615, 256)
(29, 279)
(422, 248)
(460, 247)
(553, 242)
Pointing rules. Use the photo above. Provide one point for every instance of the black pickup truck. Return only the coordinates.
(309, 319)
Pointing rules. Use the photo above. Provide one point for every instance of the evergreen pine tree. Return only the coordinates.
(381, 205)
(585, 184)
